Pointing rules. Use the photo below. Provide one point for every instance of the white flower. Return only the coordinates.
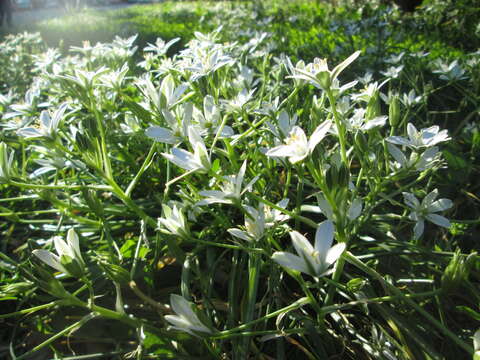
(423, 138)
(284, 126)
(160, 48)
(316, 260)
(426, 211)
(186, 319)
(359, 122)
(317, 73)
(254, 224)
(297, 147)
(198, 160)
(273, 216)
(420, 162)
(173, 221)
(231, 189)
(48, 125)
(210, 120)
(69, 259)
(178, 124)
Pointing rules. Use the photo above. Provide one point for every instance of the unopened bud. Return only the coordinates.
(394, 111)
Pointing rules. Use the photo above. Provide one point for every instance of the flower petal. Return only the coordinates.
(318, 135)
(301, 244)
(50, 259)
(161, 134)
(334, 253)
(355, 209)
(418, 229)
(398, 140)
(73, 242)
(411, 200)
(281, 151)
(324, 238)
(62, 247)
(440, 205)
(438, 220)
(290, 261)
(182, 307)
(239, 234)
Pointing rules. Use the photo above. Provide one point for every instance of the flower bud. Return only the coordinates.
(394, 111)
(361, 142)
(373, 107)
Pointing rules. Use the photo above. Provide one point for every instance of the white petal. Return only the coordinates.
(318, 134)
(301, 244)
(73, 242)
(182, 307)
(161, 134)
(398, 140)
(355, 209)
(218, 195)
(239, 178)
(325, 207)
(418, 229)
(440, 205)
(429, 198)
(29, 132)
(324, 238)
(183, 159)
(378, 121)
(411, 200)
(296, 158)
(45, 119)
(62, 247)
(178, 322)
(340, 67)
(50, 259)
(195, 138)
(239, 234)
(334, 253)
(412, 132)
(290, 261)
(281, 151)
(438, 220)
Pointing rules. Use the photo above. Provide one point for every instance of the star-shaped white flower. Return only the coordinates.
(297, 147)
(312, 260)
(426, 211)
(185, 319)
(423, 138)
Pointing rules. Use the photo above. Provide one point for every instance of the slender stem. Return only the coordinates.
(157, 305)
(31, 310)
(60, 187)
(143, 168)
(340, 128)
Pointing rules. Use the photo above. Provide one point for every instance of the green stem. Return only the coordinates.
(143, 168)
(30, 310)
(60, 187)
(340, 128)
